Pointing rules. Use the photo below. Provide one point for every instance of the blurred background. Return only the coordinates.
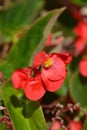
(69, 34)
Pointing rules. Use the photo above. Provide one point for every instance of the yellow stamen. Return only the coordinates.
(48, 63)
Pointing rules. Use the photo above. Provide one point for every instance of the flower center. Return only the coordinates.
(48, 63)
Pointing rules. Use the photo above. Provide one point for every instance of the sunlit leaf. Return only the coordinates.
(32, 42)
(78, 89)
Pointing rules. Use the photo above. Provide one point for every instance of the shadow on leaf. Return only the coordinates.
(28, 107)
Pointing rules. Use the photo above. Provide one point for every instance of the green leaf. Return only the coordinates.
(24, 49)
(24, 114)
(80, 2)
(78, 89)
(17, 17)
(3, 126)
(85, 125)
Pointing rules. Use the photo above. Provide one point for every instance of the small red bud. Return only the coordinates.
(55, 125)
(83, 67)
(0, 75)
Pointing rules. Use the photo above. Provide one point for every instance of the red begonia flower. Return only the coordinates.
(73, 125)
(48, 73)
(53, 41)
(49, 40)
(53, 70)
(1, 75)
(79, 45)
(83, 67)
(20, 76)
(81, 30)
(34, 89)
(57, 41)
(76, 14)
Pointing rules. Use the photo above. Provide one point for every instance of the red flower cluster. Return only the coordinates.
(73, 125)
(81, 31)
(83, 67)
(47, 73)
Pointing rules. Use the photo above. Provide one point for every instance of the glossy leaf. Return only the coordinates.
(35, 38)
(17, 17)
(78, 89)
(24, 114)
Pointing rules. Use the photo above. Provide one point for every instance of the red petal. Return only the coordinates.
(66, 57)
(40, 58)
(81, 30)
(52, 86)
(20, 76)
(34, 89)
(83, 67)
(56, 71)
